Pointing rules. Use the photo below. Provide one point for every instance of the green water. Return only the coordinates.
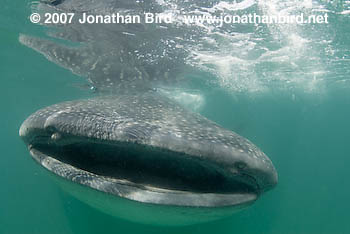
(306, 135)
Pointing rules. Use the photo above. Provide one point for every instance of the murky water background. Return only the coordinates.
(289, 94)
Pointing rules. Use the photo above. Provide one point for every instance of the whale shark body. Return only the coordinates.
(131, 151)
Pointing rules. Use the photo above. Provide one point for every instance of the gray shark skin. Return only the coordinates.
(131, 148)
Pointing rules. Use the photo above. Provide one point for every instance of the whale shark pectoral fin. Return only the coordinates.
(75, 59)
(103, 70)
(72, 34)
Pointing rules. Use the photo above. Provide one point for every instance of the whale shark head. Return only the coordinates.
(148, 149)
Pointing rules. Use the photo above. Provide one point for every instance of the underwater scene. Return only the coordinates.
(175, 116)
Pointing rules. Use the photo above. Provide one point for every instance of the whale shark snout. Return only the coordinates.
(147, 149)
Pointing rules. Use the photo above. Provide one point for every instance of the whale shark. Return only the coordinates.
(131, 151)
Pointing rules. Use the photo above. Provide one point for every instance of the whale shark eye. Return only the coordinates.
(56, 136)
(240, 165)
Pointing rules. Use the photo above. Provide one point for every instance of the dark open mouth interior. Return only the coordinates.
(144, 165)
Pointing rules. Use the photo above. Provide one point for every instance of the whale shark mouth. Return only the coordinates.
(146, 174)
